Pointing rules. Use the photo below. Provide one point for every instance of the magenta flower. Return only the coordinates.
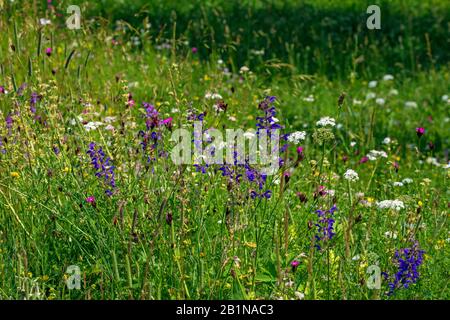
(90, 199)
(48, 52)
(295, 264)
(131, 103)
(364, 159)
(194, 50)
(420, 131)
(168, 123)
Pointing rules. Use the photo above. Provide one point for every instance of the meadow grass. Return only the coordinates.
(170, 231)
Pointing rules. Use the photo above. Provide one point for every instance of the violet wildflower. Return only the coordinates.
(2, 89)
(267, 194)
(194, 50)
(408, 261)
(325, 226)
(56, 150)
(104, 168)
(48, 52)
(268, 122)
(33, 101)
(22, 87)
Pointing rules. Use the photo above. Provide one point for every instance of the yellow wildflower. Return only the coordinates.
(15, 174)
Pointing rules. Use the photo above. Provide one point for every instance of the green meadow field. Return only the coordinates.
(94, 205)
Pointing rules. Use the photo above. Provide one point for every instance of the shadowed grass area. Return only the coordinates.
(325, 37)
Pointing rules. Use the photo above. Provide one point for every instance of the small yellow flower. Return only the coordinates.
(44, 278)
(206, 78)
(250, 244)
(158, 104)
(370, 200)
(15, 174)
(420, 203)
(66, 169)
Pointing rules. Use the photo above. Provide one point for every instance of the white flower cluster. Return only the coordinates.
(391, 204)
(92, 125)
(375, 154)
(296, 137)
(213, 96)
(387, 140)
(407, 180)
(326, 121)
(351, 175)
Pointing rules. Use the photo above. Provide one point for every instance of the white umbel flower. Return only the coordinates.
(411, 104)
(296, 137)
(351, 175)
(375, 154)
(373, 84)
(380, 101)
(326, 121)
(407, 180)
(391, 204)
(92, 125)
(213, 96)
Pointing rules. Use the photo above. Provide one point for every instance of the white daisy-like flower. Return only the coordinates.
(380, 101)
(351, 175)
(387, 140)
(373, 84)
(296, 137)
(391, 204)
(398, 184)
(352, 144)
(407, 180)
(388, 77)
(326, 121)
(411, 104)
